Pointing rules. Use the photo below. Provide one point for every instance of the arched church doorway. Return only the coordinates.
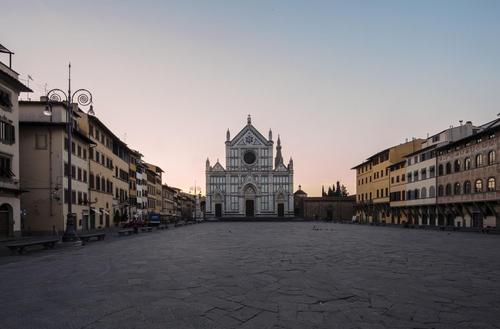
(249, 201)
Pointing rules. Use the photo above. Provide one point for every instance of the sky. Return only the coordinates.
(338, 80)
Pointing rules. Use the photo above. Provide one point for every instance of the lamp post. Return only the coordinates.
(82, 97)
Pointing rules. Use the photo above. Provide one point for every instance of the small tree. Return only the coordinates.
(343, 190)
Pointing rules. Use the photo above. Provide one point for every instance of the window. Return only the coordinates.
(409, 177)
(478, 186)
(6, 167)
(423, 173)
(423, 193)
(432, 171)
(79, 174)
(432, 192)
(467, 187)
(5, 100)
(79, 151)
(84, 176)
(456, 166)
(447, 190)
(41, 141)
(7, 133)
(415, 175)
(448, 168)
(467, 164)
(491, 157)
(97, 183)
(456, 189)
(91, 180)
(84, 154)
(479, 160)
(491, 184)
(440, 170)
(440, 190)
(416, 193)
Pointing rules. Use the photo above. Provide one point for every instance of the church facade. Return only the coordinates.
(251, 185)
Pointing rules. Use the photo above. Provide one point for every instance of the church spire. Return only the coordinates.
(249, 120)
(228, 135)
(279, 158)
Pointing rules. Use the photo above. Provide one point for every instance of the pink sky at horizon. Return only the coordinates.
(337, 81)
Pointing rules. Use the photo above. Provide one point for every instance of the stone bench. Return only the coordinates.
(22, 245)
(89, 236)
(127, 231)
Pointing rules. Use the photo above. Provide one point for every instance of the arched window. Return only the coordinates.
(492, 184)
(432, 192)
(479, 160)
(467, 164)
(448, 168)
(448, 189)
(456, 166)
(440, 170)
(478, 186)
(423, 193)
(467, 187)
(440, 190)
(456, 189)
(415, 193)
(492, 157)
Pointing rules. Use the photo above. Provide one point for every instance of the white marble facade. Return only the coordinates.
(252, 184)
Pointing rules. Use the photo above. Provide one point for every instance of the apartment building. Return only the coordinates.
(468, 172)
(10, 190)
(44, 168)
(373, 182)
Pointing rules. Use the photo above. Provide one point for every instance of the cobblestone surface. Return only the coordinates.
(260, 275)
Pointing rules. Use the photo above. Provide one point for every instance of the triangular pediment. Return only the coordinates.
(249, 136)
(218, 167)
(281, 167)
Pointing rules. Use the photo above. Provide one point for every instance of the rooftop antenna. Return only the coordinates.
(28, 82)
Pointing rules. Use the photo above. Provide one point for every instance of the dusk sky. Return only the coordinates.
(338, 80)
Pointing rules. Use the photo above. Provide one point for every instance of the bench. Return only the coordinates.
(146, 229)
(180, 223)
(20, 246)
(87, 237)
(162, 227)
(126, 231)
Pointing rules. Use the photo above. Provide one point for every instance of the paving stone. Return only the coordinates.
(259, 275)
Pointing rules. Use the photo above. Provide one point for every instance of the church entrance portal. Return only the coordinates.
(249, 208)
(218, 210)
(281, 210)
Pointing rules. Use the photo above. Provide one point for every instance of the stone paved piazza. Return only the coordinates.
(260, 275)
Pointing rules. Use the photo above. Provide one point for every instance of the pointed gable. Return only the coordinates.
(249, 136)
(218, 167)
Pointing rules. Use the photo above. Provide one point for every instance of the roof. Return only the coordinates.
(14, 83)
(102, 125)
(63, 104)
(57, 124)
(487, 128)
(397, 163)
(5, 50)
(299, 191)
(421, 150)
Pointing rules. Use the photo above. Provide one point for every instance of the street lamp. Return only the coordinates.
(82, 97)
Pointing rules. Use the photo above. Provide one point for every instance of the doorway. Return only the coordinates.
(281, 210)
(477, 220)
(218, 210)
(249, 208)
(5, 220)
